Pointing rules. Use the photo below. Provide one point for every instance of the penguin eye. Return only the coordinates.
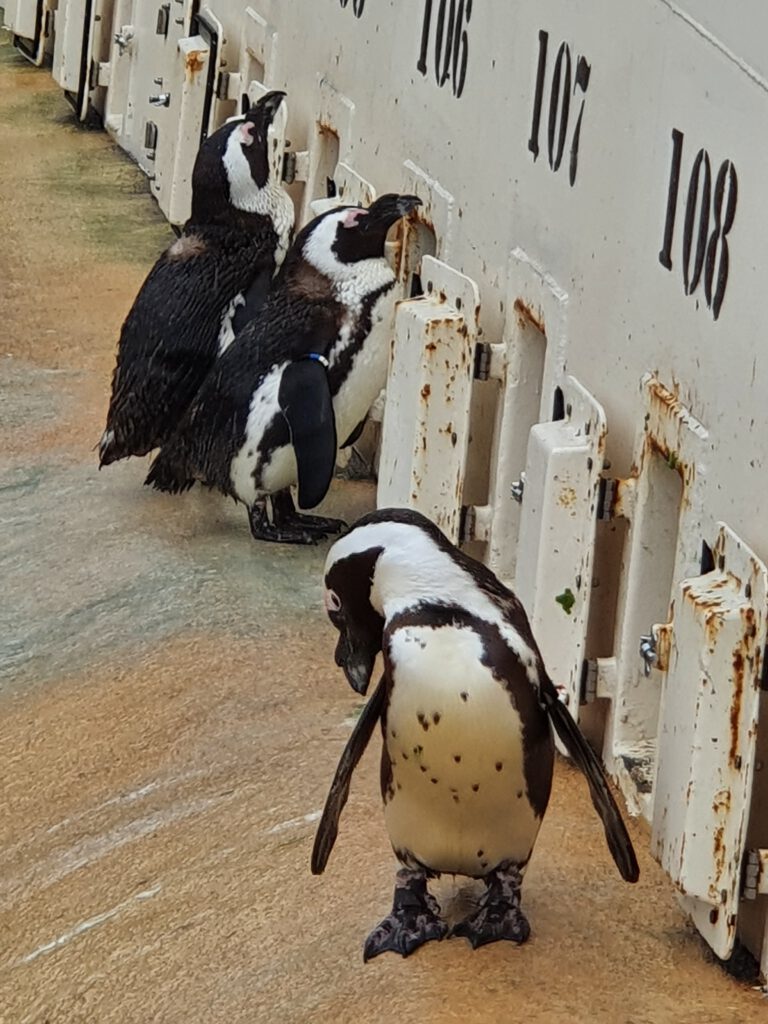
(332, 601)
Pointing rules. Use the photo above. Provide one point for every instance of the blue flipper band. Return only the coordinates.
(316, 357)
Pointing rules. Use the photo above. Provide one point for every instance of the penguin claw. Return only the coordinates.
(415, 919)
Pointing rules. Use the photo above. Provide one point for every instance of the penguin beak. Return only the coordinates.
(266, 108)
(387, 209)
(355, 656)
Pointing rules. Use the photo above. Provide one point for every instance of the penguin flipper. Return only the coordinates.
(305, 401)
(328, 828)
(616, 833)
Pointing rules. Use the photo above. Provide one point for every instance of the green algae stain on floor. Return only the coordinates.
(101, 190)
(119, 217)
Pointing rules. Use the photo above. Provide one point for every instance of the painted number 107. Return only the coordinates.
(564, 84)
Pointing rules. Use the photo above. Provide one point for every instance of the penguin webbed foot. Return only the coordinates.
(262, 529)
(415, 919)
(498, 915)
(319, 525)
(285, 516)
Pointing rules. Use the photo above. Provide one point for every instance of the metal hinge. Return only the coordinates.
(482, 361)
(289, 166)
(755, 874)
(222, 86)
(588, 683)
(606, 498)
(467, 523)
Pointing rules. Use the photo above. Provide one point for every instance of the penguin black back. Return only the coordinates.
(300, 377)
(181, 319)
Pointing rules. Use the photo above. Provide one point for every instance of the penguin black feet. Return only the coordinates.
(499, 915)
(285, 516)
(262, 529)
(415, 919)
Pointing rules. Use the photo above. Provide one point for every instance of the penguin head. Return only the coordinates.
(337, 241)
(233, 168)
(415, 551)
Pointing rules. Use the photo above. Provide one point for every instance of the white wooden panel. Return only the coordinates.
(557, 532)
(706, 745)
(426, 418)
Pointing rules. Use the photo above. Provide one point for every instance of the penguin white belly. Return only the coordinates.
(251, 476)
(458, 794)
(368, 372)
(280, 471)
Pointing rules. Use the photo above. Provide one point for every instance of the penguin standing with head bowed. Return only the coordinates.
(219, 269)
(466, 710)
(298, 379)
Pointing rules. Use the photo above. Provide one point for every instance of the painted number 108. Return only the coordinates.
(705, 253)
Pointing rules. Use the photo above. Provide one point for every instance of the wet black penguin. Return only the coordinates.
(466, 709)
(238, 233)
(298, 379)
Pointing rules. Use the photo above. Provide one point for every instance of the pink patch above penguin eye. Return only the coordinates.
(351, 217)
(331, 601)
(246, 138)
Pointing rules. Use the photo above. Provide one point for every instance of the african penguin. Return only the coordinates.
(219, 269)
(297, 379)
(466, 709)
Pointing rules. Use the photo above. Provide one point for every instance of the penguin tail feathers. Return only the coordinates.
(167, 475)
(109, 449)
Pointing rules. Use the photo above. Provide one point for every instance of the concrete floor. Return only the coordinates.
(170, 713)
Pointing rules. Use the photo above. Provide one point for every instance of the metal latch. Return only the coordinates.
(517, 488)
(648, 653)
(162, 99)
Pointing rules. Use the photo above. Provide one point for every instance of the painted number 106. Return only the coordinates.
(449, 41)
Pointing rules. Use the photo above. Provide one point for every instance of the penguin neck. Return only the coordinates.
(248, 200)
(353, 283)
(419, 573)
(271, 201)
